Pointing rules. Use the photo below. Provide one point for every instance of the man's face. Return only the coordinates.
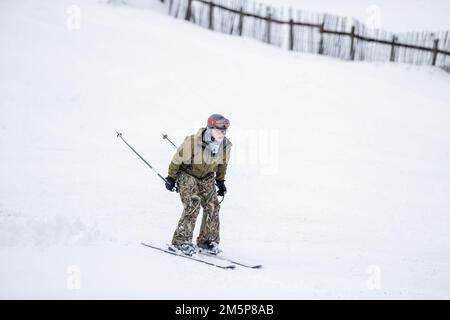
(218, 134)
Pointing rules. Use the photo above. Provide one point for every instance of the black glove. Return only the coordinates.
(170, 183)
(222, 189)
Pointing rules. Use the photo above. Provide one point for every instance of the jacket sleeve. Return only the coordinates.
(222, 168)
(178, 158)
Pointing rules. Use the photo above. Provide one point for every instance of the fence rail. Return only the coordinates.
(315, 33)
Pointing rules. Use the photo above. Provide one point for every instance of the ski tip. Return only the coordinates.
(259, 266)
(119, 134)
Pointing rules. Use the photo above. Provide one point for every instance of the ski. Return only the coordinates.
(189, 257)
(218, 256)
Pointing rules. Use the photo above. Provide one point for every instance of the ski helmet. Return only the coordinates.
(217, 121)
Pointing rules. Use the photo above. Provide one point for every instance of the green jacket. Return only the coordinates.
(194, 158)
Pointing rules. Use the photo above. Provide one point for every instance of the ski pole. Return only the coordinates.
(166, 137)
(119, 135)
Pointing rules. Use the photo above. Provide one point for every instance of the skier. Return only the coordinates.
(198, 162)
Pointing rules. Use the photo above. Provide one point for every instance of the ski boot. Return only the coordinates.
(208, 246)
(186, 248)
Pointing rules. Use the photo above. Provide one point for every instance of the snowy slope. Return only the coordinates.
(351, 201)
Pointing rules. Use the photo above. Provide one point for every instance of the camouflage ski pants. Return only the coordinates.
(195, 192)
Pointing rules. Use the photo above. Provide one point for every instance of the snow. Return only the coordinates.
(338, 184)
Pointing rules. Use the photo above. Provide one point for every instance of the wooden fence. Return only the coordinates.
(324, 34)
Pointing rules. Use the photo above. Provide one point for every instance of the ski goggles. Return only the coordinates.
(221, 124)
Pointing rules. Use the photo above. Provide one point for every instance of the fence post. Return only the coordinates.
(188, 11)
(211, 15)
(269, 22)
(322, 27)
(241, 21)
(291, 34)
(352, 44)
(170, 6)
(394, 39)
(435, 51)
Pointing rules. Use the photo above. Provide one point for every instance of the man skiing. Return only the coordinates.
(200, 160)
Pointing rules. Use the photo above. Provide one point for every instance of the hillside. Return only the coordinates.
(339, 171)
